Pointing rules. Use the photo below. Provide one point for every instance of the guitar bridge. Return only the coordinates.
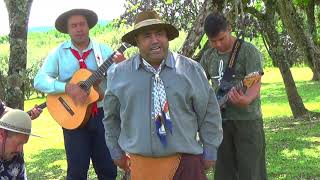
(65, 105)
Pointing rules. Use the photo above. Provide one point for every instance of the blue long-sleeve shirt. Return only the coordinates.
(192, 103)
(60, 65)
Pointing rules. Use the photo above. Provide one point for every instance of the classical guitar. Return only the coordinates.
(247, 82)
(62, 108)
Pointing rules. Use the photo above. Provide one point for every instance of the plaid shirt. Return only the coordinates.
(13, 169)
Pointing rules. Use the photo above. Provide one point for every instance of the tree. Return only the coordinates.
(276, 49)
(303, 38)
(307, 8)
(18, 11)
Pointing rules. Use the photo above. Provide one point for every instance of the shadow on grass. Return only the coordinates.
(275, 92)
(293, 148)
(47, 164)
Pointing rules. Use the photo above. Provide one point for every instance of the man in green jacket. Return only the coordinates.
(241, 154)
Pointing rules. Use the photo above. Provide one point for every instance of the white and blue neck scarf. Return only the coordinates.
(160, 103)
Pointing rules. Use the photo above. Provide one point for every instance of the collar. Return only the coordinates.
(169, 61)
(68, 44)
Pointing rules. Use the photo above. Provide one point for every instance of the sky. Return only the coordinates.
(45, 12)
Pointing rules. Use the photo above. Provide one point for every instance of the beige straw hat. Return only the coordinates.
(149, 19)
(16, 120)
(61, 22)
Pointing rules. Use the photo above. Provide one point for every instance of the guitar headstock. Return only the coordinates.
(123, 47)
(252, 78)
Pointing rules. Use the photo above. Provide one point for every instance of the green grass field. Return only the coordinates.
(293, 146)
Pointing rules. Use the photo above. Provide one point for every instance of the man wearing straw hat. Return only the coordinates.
(85, 143)
(15, 128)
(157, 105)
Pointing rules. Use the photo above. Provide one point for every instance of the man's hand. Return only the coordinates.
(78, 95)
(208, 164)
(240, 99)
(35, 112)
(118, 57)
(123, 163)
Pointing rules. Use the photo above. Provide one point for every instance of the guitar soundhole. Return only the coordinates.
(65, 105)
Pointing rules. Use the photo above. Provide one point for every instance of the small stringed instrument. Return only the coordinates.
(62, 108)
(247, 82)
(41, 106)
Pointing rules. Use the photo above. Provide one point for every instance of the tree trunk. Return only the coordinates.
(2, 87)
(296, 104)
(316, 74)
(18, 11)
(196, 32)
(277, 52)
(201, 52)
(311, 20)
(294, 26)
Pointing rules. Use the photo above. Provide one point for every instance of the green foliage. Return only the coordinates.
(301, 3)
(169, 10)
(4, 56)
(4, 39)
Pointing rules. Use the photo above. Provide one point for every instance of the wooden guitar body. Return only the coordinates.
(65, 111)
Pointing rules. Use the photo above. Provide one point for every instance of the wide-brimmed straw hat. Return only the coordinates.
(149, 19)
(61, 22)
(16, 120)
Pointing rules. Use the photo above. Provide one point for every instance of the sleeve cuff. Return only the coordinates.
(60, 86)
(116, 153)
(210, 154)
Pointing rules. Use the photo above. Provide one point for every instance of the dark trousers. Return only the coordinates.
(88, 142)
(191, 167)
(241, 155)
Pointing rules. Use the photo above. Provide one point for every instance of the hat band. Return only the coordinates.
(9, 126)
(147, 22)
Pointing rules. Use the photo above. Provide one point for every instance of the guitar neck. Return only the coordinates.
(41, 106)
(239, 86)
(223, 100)
(99, 74)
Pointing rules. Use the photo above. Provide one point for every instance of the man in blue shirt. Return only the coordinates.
(87, 142)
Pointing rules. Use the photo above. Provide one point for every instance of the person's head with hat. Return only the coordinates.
(151, 35)
(15, 129)
(77, 23)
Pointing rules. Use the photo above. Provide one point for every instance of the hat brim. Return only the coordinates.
(61, 21)
(20, 132)
(172, 32)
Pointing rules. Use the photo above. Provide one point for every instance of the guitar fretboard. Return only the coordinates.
(97, 75)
